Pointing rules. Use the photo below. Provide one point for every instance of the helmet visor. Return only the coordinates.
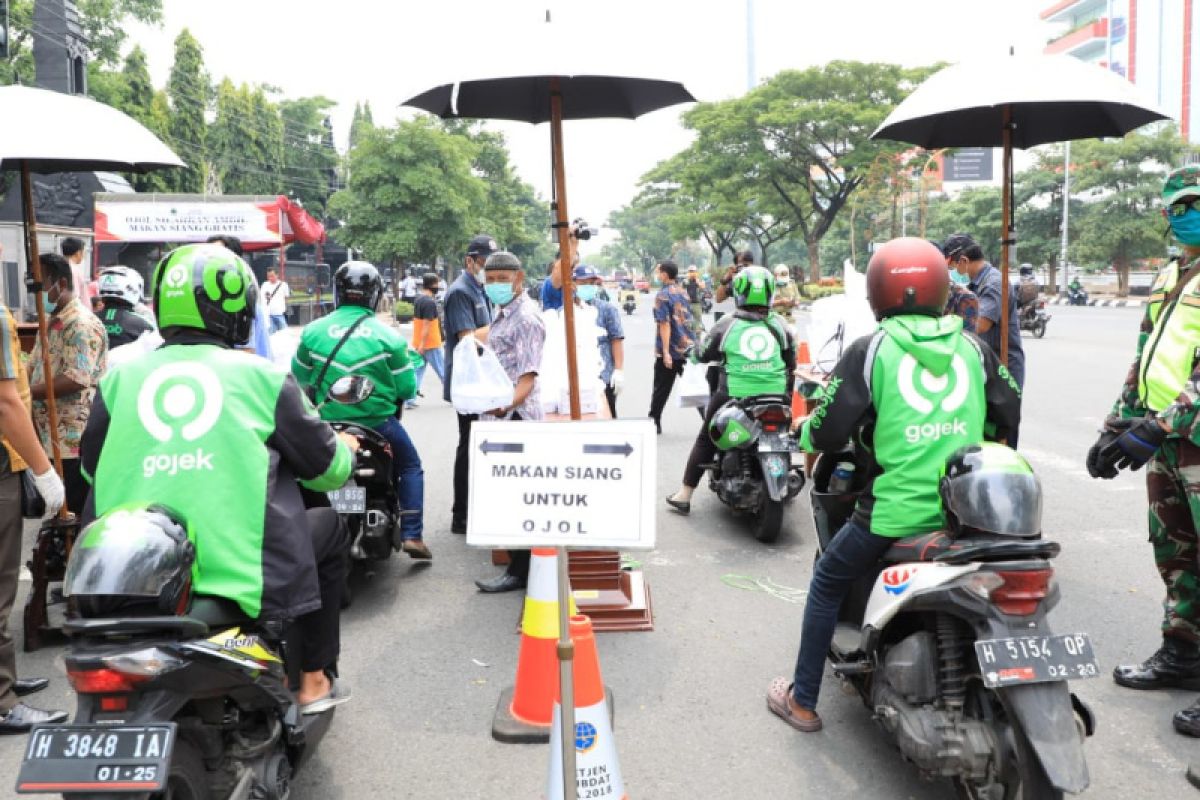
(1003, 503)
(125, 553)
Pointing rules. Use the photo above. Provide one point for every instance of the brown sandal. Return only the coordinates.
(777, 702)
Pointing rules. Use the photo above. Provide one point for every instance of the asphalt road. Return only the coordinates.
(428, 656)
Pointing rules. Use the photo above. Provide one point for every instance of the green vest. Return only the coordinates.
(929, 391)
(1169, 353)
(374, 350)
(188, 430)
(754, 358)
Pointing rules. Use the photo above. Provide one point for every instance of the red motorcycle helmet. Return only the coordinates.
(907, 276)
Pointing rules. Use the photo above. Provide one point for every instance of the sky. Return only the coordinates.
(385, 52)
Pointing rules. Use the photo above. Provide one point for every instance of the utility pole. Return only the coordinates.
(751, 70)
(1066, 214)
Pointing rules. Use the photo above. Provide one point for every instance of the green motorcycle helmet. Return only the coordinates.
(753, 286)
(205, 287)
(990, 489)
(732, 427)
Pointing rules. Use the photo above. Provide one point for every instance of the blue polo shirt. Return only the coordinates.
(551, 298)
(987, 285)
(465, 307)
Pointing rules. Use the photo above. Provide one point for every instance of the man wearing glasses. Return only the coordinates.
(1154, 422)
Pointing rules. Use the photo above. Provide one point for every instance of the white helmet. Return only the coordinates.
(782, 273)
(121, 283)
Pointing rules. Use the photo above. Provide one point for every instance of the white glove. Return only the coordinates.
(50, 487)
(617, 381)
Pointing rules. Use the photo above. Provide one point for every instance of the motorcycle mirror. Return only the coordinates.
(810, 390)
(351, 389)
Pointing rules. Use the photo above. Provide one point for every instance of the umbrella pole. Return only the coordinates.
(1008, 235)
(566, 647)
(35, 269)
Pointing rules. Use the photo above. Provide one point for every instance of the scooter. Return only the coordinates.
(1076, 297)
(706, 301)
(178, 696)
(947, 643)
(368, 503)
(1033, 318)
(757, 475)
(630, 304)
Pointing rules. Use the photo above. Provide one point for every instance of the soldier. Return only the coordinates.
(1155, 421)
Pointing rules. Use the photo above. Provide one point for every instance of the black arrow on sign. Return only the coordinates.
(608, 449)
(501, 447)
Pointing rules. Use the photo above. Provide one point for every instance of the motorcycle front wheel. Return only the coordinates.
(1039, 329)
(769, 521)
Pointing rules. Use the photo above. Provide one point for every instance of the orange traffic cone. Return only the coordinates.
(803, 361)
(597, 771)
(525, 711)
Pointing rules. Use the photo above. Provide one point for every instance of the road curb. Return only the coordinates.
(1123, 302)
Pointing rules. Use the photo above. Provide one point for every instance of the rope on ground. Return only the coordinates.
(765, 585)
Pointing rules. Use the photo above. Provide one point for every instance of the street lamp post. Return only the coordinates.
(1066, 214)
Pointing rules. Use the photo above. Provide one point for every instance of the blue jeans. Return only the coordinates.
(433, 358)
(409, 476)
(854, 552)
(278, 322)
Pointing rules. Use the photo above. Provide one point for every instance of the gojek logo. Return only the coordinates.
(179, 400)
(757, 344)
(924, 392)
(177, 279)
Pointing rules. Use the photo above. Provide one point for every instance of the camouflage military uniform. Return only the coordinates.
(1172, 486)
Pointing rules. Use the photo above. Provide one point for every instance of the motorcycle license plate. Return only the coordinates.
(350, 499)
(1036, 659)
(96, 758)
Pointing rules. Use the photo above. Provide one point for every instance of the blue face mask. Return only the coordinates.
(586, 293)
(499, 293)
(50, 305)
(959, 278)
(1186, 227)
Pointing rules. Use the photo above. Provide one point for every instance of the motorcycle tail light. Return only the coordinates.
(117, 703)
(103, 681)
(776, 414)
(1022, 590)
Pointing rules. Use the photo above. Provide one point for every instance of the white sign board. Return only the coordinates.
(568, 484)
(163, 221)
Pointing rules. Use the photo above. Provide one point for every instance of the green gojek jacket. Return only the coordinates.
(756, 352)
(1163, 377)
(910, 395)
(221, 438)
(374, 350)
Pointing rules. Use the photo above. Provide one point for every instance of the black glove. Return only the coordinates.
(1099, 465)
(1136, 445)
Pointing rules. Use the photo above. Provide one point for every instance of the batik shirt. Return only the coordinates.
(963, 302)
(78, 350)
(671, 305)
(517, 336)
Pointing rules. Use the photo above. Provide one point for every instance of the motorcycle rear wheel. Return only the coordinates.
(1039, 329)
(188, 780)
(1022, 773)
(769, 521)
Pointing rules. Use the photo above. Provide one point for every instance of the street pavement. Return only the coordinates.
(427, 655)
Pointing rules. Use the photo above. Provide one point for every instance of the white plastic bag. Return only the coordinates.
(478, 382)
(693, 387)
(552, 373)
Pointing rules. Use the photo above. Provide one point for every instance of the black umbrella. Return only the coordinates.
(113, 141)
(552, 97)
(1016, 101)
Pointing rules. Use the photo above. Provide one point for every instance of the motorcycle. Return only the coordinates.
(368, 503)
(179, 696)
(1076, 296)
(706, 301)
(1033, 318)
(947, 643)
(630, 304)
(757, 475)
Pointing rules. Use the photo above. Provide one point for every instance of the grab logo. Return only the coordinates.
(183, 398)
(920, 392)
(758, 344)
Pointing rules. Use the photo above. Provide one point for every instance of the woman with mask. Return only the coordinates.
(1154, 423)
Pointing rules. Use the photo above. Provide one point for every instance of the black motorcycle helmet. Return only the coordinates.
(357, 283)
(133, 561)
(991, 489)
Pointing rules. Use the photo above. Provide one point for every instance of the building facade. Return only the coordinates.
(1153, 43)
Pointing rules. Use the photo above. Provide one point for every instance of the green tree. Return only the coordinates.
(1120, 182)
(309, 159)
(976, 211)
(149, 107)
(686, 184)
(410, 195)
(360, 124)
(188, 90)
(645, 233)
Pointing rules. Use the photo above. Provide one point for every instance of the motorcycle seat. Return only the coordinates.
(217, 612)
(922, 547)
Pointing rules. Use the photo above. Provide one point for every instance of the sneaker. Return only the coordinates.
(416, 549)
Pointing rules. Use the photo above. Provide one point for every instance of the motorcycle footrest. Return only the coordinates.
(852, 669)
